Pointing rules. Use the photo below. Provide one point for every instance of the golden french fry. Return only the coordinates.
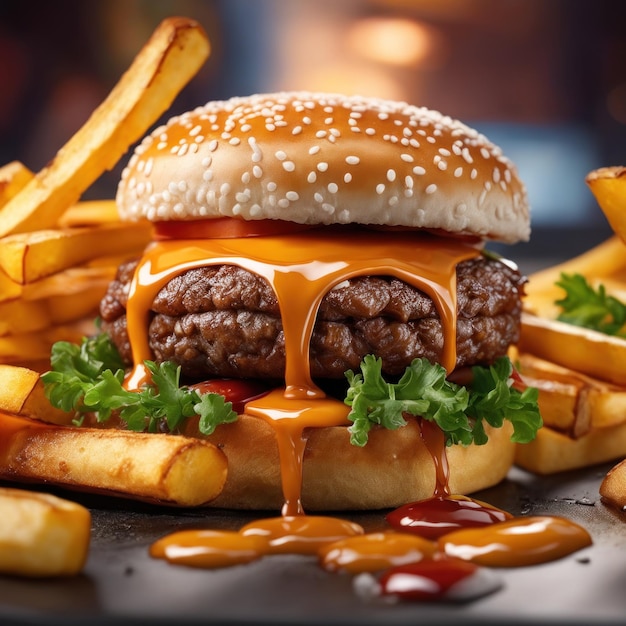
(13, 178)
(22, 393)
(604, 260)
(74, 280)
(25, 316)
(41, 534)
(571, 402)
(608, 185)
(170, 469)
(20, 316)
(27, 257)
(613, 487)
(587, 351)
(551, 452)
(25, 348)
(90, 213)
(172, 56)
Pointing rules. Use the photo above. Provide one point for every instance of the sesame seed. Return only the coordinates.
(380, 188)
(407, 158)
(419, 170)
(257, 172)
(245, 178)
(408, 181)
(292, 196)
(297, 130)
(496, 175)
(271, 186)
(213, 145)
(322, 166)
(320, 134)
(347, 177)
(431, 188)
(312, 177)
(442, 165)
(314, 150)
(318, 197)
(235, 141)
(333, 187)
(289, 166)
(370, 131)
(458, 172)
(473, 173)
(280, 155)
(391, 175)
(353, 160)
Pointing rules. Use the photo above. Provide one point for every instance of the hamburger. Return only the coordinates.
(308, 247)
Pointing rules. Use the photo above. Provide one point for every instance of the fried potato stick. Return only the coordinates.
(170, 58)
(42, 534)
(169, 469)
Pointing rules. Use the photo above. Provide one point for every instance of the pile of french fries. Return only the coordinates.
(57, 256)
(581, 374)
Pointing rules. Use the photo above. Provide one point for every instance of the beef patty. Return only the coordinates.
(224, 321)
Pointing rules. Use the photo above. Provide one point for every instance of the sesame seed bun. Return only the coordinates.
(325, 159)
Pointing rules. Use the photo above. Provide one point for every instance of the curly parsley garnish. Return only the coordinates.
(590, 308)
(424, 391)
(88, 378)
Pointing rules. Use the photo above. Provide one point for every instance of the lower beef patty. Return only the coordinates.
(223, 321)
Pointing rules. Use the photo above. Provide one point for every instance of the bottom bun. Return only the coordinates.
(394, 468)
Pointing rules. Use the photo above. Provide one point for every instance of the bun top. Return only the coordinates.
(325, 159)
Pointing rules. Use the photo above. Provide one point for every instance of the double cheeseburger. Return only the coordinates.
(296, 233)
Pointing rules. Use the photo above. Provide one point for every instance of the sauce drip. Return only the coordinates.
(289, 417)
(436, 516)
(517, 542)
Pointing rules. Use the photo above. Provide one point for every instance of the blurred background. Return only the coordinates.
(544, 79)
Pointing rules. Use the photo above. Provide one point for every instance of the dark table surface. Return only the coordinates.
(122, 584)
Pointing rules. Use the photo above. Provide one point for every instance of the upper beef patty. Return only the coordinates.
(223, 321)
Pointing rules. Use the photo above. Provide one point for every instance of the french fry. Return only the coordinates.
(587, 351)
(170, 469)
(571, 402)
(608, 185)
(27, 257)
(91, 213)
(20, 316)
(613, 486)
(604, 260)
(551, 452)
(23, 348)
(172, 56)
(42, 535)
(13, 178)
(22, 393)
